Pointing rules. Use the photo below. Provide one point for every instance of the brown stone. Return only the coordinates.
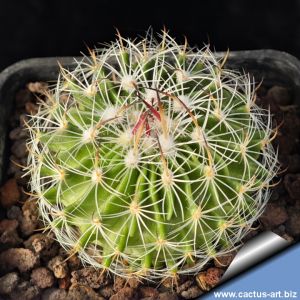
(280, 95)
(74, 262)
(119, 283)
(23, 96)
(77, 292)
(31, 108)
(210, 278)
(134, 282)
(224, 260)
(107, 291)
(9, 193)
(58, 266)
(168, 296)
(42, 278)
(213, 276)
(192, 292)
(54, 294)
(292, 185)
(201, 281)
(273, 215)
(126, 293)
(184, 286)
(30, 217)
(37, 87)
(25, 291)
(8, 233)
(20, 258)
(8, 282)
(147, 291)
(8, 225)
(64, 283)
(19, 149)
(293, 222)
(95, 278)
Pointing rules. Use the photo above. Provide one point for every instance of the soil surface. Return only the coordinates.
(34, 266)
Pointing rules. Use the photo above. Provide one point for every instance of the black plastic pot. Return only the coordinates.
(273, 67)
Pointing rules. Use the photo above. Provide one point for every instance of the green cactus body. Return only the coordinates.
(150, 158)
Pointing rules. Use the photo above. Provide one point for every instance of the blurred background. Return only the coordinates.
(38, 28)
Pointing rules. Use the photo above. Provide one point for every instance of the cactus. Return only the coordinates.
(149, 158)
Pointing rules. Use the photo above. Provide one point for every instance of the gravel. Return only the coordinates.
(42, 277)
(30, 218)
(168, 296)
(274, 215)
(25, 291)
(34, 266)
(8, 233)
(192, 292)
(280, 95)
(224, 260)
(126, 293)
(59, 267)
(9, 193)
(210, 278)
(147, 291)
(18, 258)
(84, 292)
(293, 223)
(14, 213)
(89, 276)
(9, 282)
(54, 294)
